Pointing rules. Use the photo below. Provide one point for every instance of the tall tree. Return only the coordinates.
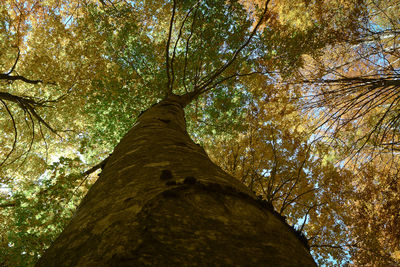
(174, 206)
(127, 55)
(160, 201)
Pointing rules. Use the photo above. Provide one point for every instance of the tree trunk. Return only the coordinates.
(160, 201)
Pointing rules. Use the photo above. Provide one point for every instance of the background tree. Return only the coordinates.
(356, 85)
(354, 90)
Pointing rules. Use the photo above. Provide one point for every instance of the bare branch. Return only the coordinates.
(15, 63)
(45, 142)
(86, 176)
(40, 119)
(176, 44)
(28, 104)
(187, 51)
(287, 203)
(236, 75)
(96, 167)
(308, 211)
(169, 87)
(15, 132)
(208, 81)
(8, 77)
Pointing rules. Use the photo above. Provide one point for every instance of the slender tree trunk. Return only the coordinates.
(160, 201)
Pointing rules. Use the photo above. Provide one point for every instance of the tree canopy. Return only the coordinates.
(297, 99)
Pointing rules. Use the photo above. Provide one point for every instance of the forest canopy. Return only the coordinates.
(299, 100)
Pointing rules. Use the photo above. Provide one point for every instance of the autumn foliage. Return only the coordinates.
(301, 105)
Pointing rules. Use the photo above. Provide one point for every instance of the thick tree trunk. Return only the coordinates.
(160, 201)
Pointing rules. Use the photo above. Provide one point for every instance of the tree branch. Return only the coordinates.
(15, 132)
(187, 51)
(236, 53)
(176, 44)
(169, 87)
(8, 204)
(28, 105)
(7, 77)
(15, 63)
(97, 166)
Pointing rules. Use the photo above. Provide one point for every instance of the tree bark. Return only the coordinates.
(160, 201)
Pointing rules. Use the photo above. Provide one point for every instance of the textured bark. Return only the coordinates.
(160, 201)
